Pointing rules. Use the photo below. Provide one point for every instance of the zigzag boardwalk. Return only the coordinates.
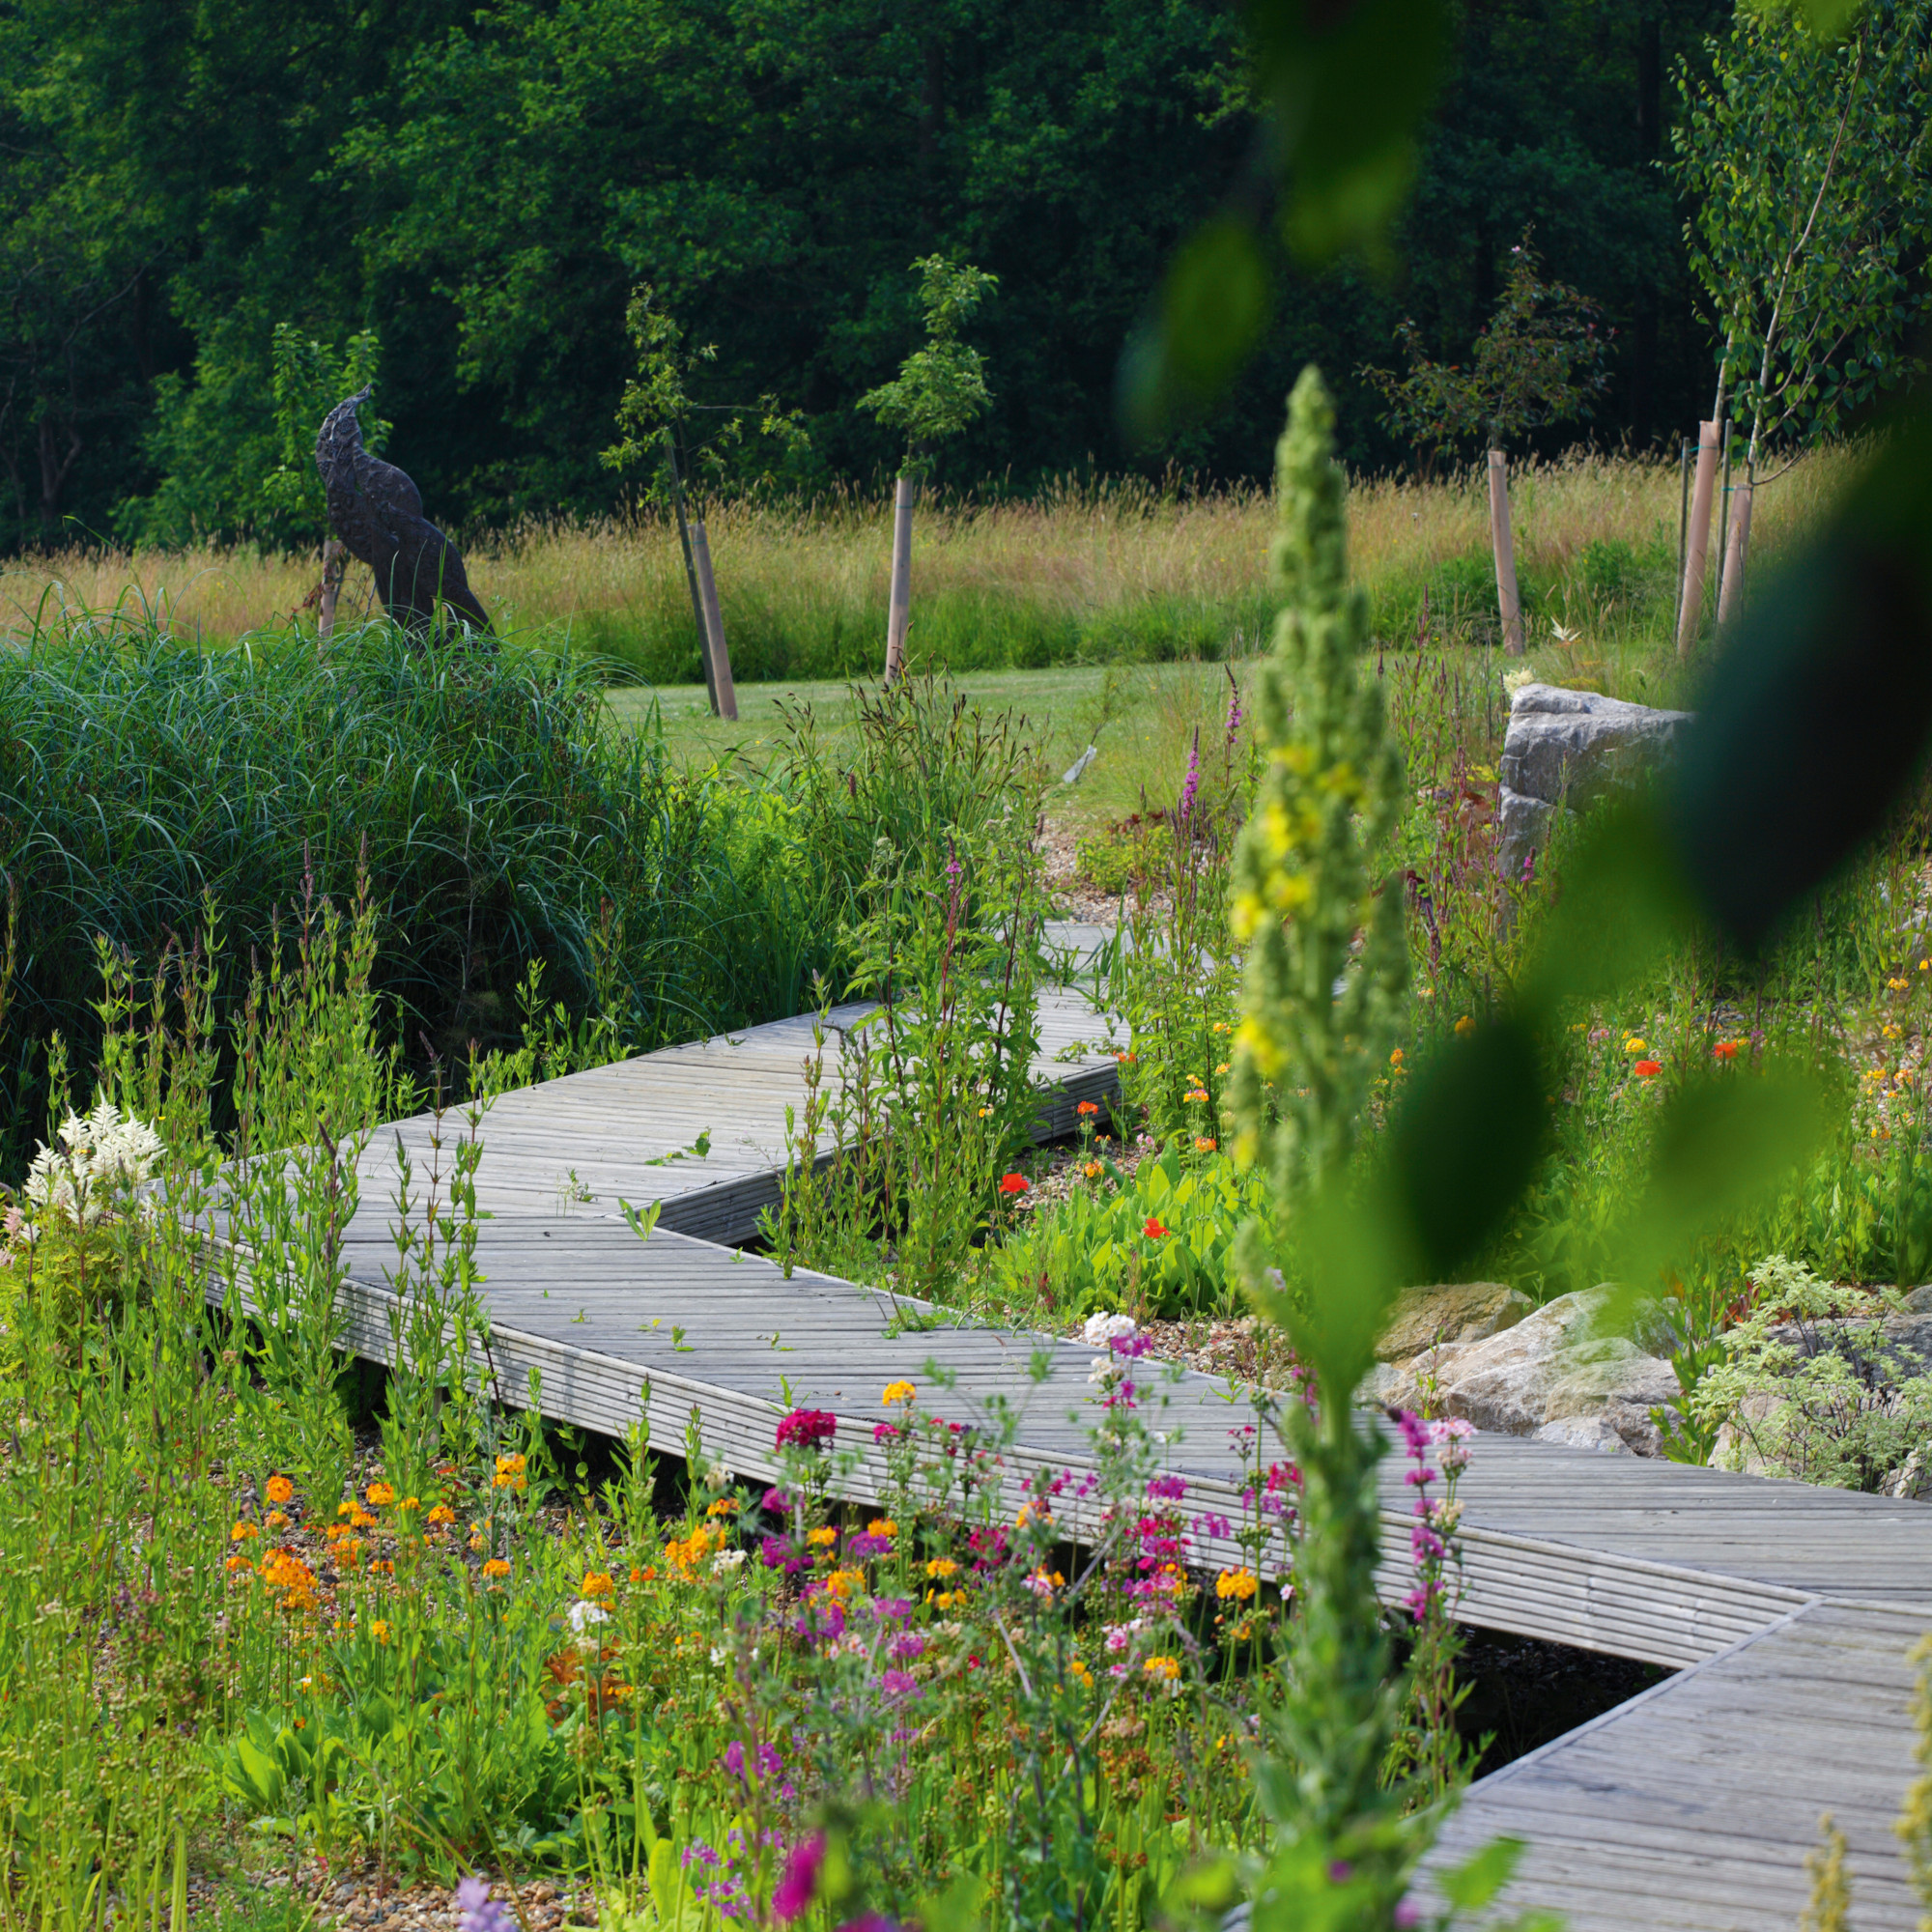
(1692, 1805)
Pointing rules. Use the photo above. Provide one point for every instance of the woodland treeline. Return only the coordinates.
(483, 186)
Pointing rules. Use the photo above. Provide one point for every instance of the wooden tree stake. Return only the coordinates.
(1737, 549)
(334, 562)
(901, 612)
(725, 694)
(1507, 601)
(1690, 612)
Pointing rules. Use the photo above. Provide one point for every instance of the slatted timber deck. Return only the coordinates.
(1787, 1612)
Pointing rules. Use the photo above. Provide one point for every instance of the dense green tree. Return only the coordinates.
(481, 185)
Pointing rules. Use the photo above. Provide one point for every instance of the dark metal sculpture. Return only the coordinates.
(378, 513)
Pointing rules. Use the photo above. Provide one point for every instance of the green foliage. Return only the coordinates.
(1811, 1385)
(940, 388)
(1158, 1243)
(309, 379)
(1804, 158)
(1538, 359)
(224, 468)
(498, 819)
(656, 403)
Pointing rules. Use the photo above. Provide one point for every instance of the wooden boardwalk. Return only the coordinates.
(1787, 1612)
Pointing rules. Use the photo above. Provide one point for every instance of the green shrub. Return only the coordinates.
(1097, 1252)
(500, 821)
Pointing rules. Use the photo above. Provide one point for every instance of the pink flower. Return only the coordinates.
(800, 1883)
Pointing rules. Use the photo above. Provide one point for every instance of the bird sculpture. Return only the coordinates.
(378, 513)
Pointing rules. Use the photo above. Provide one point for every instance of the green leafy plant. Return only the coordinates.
(941, 387)
(1540, 359)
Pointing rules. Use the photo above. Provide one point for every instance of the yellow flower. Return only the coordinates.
(495, 1566)
(1093, 1170)
(822, 1539)
(441, 1513)
(1163, 1670)
(1465, 1025)
(279, 1489)
(241, 1532)
(1239, 1584)
(1633, 1044)
(1896, 984)
(1222, 1068)
(596, 1583)
(897, 1392)
(882, 1526)
(479, 1543)
(1395, 1058)
(410, 1503)
(379, 1629)
(1204, 1143)
(509, 1473)
(1195, 1094)
(1080, 1674)
(942, 1566)
(379, 1494)
(276, 1519)
(1893, 1031)
(724, 1506)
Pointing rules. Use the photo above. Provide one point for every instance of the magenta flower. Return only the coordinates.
(800, 1883)
(806, 1429)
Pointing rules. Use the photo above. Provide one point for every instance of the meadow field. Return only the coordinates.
(1113, 572)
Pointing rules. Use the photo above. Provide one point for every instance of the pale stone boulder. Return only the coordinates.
(1470, 1311)
(1551, 1375)
(1569, 749)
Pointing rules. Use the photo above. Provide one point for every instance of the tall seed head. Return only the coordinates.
(1326, 956)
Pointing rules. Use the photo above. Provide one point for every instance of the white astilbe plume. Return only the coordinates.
(102, 1157)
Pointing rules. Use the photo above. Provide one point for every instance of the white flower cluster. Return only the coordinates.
(1515, 680)
(102, 1157)
(1100, 1329)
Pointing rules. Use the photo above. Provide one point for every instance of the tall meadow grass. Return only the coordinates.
(1081, 573)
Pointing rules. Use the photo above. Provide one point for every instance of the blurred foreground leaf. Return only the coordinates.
(1818, 713)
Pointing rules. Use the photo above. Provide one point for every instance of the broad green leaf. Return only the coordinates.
(1465, 1143)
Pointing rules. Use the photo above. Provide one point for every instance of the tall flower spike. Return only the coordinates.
(1317, 1015)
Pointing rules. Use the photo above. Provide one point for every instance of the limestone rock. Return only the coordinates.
(1472, 1311)
(1572, 748)
(1551, 1375)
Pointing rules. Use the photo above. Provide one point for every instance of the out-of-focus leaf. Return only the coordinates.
(1213, 306)
(1353, 1256)
(1349, 83)
(1818, 714)
(1625, 897)
(1465, 1145)
(1720, 1145)
(1345, 85)
(1827, 18)
(1479, 1878)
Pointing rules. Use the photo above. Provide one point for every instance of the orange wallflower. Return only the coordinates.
(495, 1566)
(379, 1494)
(279, 1489)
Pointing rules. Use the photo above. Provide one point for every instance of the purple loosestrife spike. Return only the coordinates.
(1192, 786)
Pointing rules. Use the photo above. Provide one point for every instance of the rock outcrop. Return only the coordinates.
(1569, 749)
(1548, 1373)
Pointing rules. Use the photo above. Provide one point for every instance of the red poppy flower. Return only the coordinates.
(1153, 1230)
(1014, 1183)
(1647, 1069)
(1725, 1049)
